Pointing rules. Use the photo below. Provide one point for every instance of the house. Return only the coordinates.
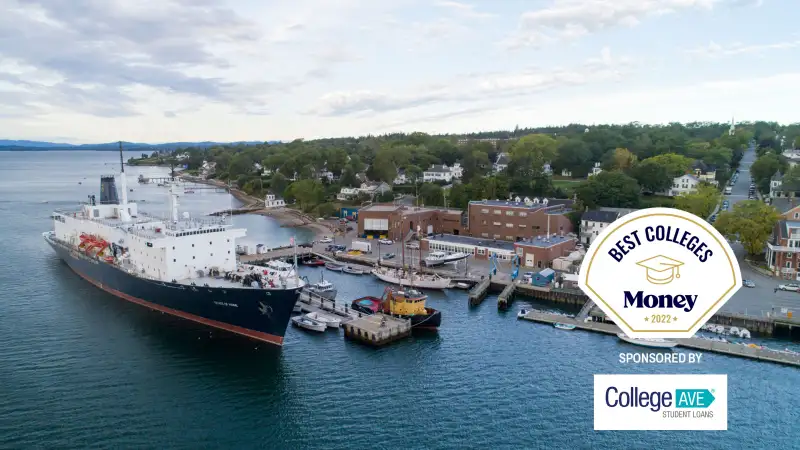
(595, 170)
(401, 177)
(273, 201)
(566, 173)
(779, 189)
(457, 171)
(207, 169)
(374, 188)
(547, 168)
(595, 221)
(684, 184)
(182, 156)
(437, 173)
(705, 172)
(326, 174)
(501, 163)
(544, 277)
(792, 157)
(783, 249)
(347, 193)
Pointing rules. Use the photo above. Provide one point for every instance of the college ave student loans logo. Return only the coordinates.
(660, 273)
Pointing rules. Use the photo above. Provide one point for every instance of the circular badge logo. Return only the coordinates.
(660, 273)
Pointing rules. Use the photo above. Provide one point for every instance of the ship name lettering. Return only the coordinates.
(226, 304)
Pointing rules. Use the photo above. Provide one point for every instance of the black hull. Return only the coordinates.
(432, 320)
(258, 314)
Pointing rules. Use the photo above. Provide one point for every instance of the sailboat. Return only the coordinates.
(403, 277)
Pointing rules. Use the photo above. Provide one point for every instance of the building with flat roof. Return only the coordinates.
(519, 219)
(479, 248)
(399, 222)
(541, 251)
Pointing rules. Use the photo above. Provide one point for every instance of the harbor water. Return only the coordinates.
(80, 368)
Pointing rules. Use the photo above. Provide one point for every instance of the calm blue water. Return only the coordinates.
(80, 368)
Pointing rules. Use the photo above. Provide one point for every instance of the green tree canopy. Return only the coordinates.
(652, 176)
(700, 203)
(675, 165)
(611, 189)
(751, 221)
(573, 155)
(764, 168)
(308, 193)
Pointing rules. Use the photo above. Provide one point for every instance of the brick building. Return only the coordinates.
(541, 251)
(784, 246)
(518, 220)
(536, 253)
(397, 221)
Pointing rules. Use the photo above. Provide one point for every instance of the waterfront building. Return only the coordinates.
(400, 222)
(595, 221)
(273, 201)
(514, 220)
(541, 251)
(783, 248)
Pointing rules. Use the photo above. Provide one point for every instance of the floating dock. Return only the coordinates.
(377, 329)
(725, 348)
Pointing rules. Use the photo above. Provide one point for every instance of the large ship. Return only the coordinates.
(182, 266)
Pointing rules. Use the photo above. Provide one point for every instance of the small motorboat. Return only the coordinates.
(564, 326)
(309, 324)
(522, 313)
(188, 191)
(352, 270)
(644, 342)
(324, 288)
(334, 267)
(297, 308)
(330, 321)
(460, 286)
(313, 262)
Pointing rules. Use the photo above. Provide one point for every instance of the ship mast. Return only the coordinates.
(123, 184)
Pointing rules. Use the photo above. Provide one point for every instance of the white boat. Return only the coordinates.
(438, 258)
(461, 286)
(330, 321)
(309, 324)
(324, 289)
(744, 333)
(352, 270)
(522, 313)
(564, 326)
(654, 342)
(297, 308)
(417, 280)
(334, 267)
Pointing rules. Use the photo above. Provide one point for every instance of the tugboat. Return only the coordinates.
(404, 303)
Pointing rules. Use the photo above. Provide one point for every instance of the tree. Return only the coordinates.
(336, 160)
(348, 178)
(445, 151)
(307, 192)
(413, 173)
(356, 164)
(765, 167)
(700, 203)
(573, 155)
(278, 183)
(619, 159)
(652, 176)
(476, 163)
(791, 180)
(751, 221)
(431, 194)
(529, 154)
(796, 142)
(676, 165)
(611, 189)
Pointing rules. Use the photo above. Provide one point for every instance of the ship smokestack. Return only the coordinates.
(108, 191)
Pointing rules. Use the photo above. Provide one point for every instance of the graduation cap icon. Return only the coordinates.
(661, 269)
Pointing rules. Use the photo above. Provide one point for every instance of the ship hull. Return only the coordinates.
(255, 313)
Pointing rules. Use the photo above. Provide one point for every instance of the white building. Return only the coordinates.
(547, 169)
(347, 193)
(792, 157)
(595, 170)
(374, 188)
(684, 184)
(595, 221)
(401, 177)
(272, 201)
(457, 171)
(437, 173)
(501, 163)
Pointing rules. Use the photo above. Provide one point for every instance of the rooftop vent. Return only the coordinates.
(535, 200)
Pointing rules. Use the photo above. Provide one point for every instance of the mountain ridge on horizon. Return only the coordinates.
(23, 145)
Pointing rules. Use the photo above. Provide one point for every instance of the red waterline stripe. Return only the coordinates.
(257, 335)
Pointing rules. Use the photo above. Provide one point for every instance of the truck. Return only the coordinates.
(728, 190)
(362, 246)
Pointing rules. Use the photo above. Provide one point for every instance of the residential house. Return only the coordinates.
(778, 189)
(705, 172)
(457, 171)
(547, 169)
(207, 169)
(684, 184)
(401, 177)
(374, 188)
(437, 173)
(501, 163)
(566, 173)
(347, 193)
(273, 201)
(792, 156)
(783, 249)
(326, 174)
(182, 156)
(595, 221)
(595, 170)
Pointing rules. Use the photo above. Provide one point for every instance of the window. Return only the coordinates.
(509, 225)
(796, 215)
(192, 245)
(209, 243)
(229, 252)
(496, 236)
(509, 238)
(173, 247)
(483, 222)
(509, 213)
(173, 260)
(192, 257)
(497, 224)
(497, 211)
(523, 214)
(485, 211)
(481, 251)
(486, 235)
(788, 264)
(522, 225)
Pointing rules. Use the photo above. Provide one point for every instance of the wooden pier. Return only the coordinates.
(478, 293)
(725, 348)
(506, 297)
(377, 329)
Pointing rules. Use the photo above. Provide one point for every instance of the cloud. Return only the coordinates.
(464, 9)
(714, 50)
(572, 19)
(89, 53)
(474, 88)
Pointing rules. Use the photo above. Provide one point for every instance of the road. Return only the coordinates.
(761, 298)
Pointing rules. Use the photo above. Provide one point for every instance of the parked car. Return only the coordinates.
(388, 255)
(789, 287)
(748, 283)
(412, 245)
(325, 240)
(386, 241)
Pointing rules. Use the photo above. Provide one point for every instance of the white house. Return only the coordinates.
(595, 170)
(501, 163)
(547, 169)
(401, 177)
(566, 173)
(684, 184)
(437, 173)
(595, 221)
(374, 188)
(182, 156)
(457, 170)
(792, 157)
(272, 201)
(347, 193)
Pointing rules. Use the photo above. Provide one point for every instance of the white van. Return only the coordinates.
(728, 190)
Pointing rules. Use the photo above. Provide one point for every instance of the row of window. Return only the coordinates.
(498, 212)
(210, 230)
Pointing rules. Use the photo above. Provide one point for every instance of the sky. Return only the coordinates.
(89, 71)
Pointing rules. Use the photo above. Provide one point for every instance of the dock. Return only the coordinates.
(478, 293)
(505, 298)
(377, 329)
(725, 348)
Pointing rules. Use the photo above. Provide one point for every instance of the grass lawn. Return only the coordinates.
(656, 201)
(566, 184)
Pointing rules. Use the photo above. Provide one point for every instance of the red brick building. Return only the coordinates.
(396, 221)
(783, 248)
(518, 220)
